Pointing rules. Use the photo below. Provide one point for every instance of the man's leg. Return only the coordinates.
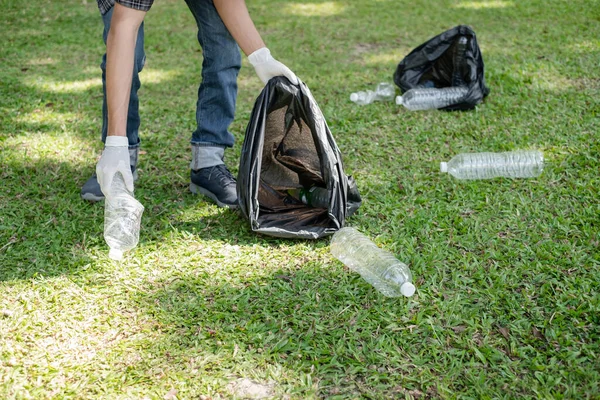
(91, 189)
(215, 108)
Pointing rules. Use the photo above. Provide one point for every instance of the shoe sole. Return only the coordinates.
(195, 189)
(92, 197)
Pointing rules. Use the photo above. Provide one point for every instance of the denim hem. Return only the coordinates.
(208, 144)
(206, 156)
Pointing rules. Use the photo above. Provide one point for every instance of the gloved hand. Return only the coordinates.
(115, 158)
(267, 67)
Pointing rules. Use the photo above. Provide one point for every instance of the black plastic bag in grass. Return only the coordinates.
(291, 181)
(451, 59)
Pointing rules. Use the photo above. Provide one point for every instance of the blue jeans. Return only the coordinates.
(215, 107)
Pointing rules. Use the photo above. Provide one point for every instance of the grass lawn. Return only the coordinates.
(507, 271)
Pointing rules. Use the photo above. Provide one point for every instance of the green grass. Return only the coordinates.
(507, 271)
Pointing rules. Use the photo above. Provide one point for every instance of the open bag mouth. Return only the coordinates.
(288, 147)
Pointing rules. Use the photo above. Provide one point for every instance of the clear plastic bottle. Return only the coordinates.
(378, 267)
(511, 164)
(431, 98)
(313, 197)
(122, 219)
(383, 92)
(458, 61)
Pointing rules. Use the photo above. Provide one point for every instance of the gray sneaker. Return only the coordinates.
(216, 183)
(90, 190)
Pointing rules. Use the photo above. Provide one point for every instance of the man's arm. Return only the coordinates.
(120, 49)
(236, 18)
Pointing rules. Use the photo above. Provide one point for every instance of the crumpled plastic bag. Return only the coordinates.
(435, 64)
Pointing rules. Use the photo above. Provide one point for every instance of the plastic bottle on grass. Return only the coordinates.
(431, 98)
(314, 197)
(378, 267)
(122, 219)
(511, 164)
(383, 92)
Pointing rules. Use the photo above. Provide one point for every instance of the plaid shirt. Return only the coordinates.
(142, 5)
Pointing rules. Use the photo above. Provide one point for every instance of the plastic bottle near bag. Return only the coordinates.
(431, 98)
(122, 219)
(312, 197)
(511, 164)
(383, 92)
(459, 61)
(378, 267)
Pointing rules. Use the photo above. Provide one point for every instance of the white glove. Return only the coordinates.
(115, 158)
(267, 67)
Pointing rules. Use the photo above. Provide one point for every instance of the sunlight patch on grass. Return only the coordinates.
(42, 61)
(69, 340)
(326, 9)
(381, 59)
(196, 214)
(478, 5)
(46, 116)
(160, 76)
(43, 83)
(48, 85)
(65, 340)
(217, 260)
(585, 46)
(92, 69)
(543, 77)
(58, 148)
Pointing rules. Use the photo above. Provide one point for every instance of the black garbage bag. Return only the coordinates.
(440, 63)
(287, 146)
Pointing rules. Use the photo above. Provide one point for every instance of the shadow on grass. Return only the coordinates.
(46, 229)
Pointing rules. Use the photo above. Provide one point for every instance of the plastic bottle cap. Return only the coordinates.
(399, 100)
(115, 254)
(354, 97)
(407, 289)
(444, 166)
